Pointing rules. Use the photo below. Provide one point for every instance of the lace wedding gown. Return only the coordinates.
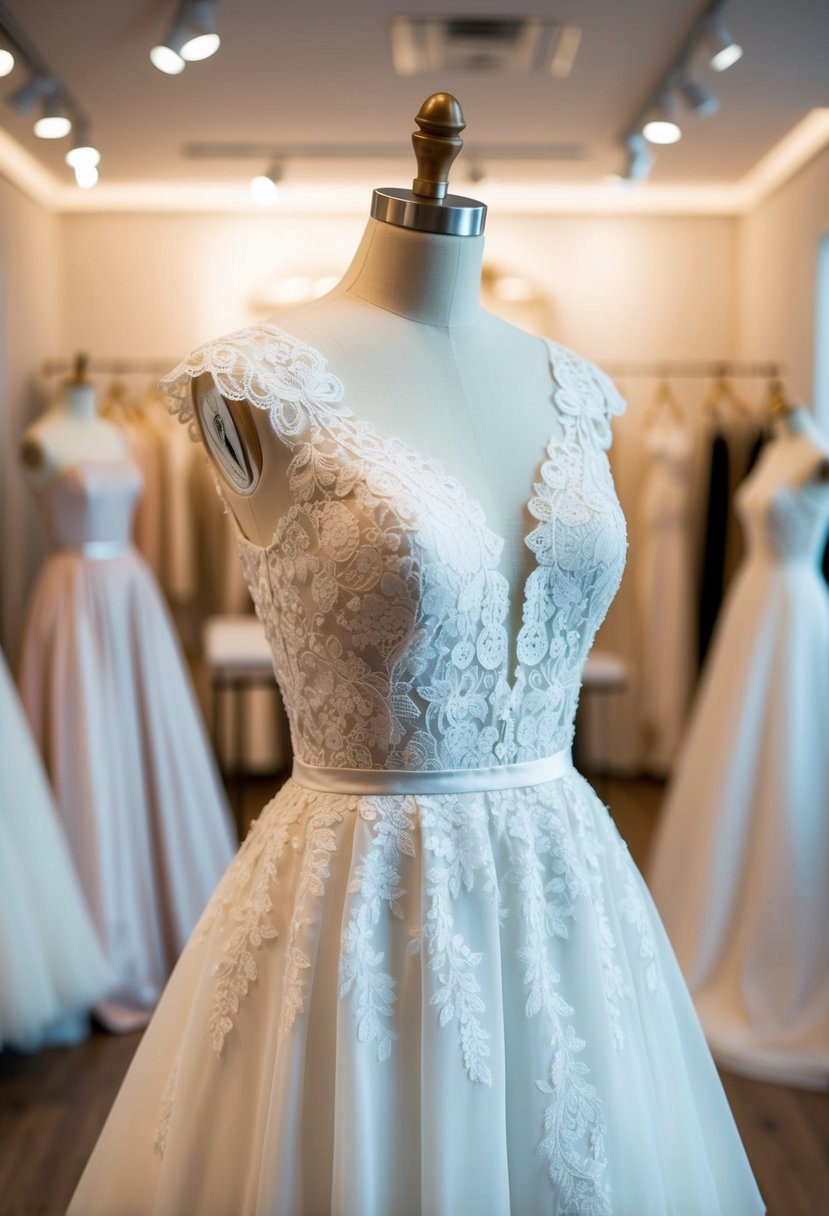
(109, 700)
(432, 980)
(52, 969)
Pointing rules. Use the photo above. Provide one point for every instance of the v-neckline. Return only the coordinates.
(517, 597)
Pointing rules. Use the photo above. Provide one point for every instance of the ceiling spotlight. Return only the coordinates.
(640, 158)
(724, 51)
(662, 127)
(199, 20)
(83, 151)
(265, 187)
(86, 176)
(6, 60)
(167, 60)
(192, 37)
(55, 120)
(699, 99)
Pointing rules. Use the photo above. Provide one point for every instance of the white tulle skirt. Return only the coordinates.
(52, 969)
(109, 699)
(415, 1004)
(740, 863)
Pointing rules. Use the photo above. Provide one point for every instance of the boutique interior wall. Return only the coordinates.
(618, 288)
(777, 291)
(30, 331)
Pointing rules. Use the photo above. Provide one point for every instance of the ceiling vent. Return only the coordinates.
(518, 46)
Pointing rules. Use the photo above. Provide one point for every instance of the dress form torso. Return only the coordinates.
(781, 504)
(423, 362)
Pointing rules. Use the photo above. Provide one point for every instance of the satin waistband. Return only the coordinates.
(97, 550)
(424, 781)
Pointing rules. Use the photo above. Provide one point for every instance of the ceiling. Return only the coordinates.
(319, 72)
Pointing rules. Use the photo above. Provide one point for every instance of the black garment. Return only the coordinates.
(716, 531)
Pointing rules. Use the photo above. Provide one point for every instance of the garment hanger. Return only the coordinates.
(117, 406)
(723, 393)
(665, 401)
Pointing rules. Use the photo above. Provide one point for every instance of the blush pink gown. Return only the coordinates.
(109, 699)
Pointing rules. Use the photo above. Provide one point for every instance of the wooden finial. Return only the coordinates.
(437, 143)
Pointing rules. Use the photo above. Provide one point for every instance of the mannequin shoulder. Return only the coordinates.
(53, 441)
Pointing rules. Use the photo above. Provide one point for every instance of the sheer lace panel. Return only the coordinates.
(381, 593)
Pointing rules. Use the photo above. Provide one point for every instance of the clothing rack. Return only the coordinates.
(112, 367)
(665, 369)
(698, 369)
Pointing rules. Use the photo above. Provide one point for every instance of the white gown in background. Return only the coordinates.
(666, 594)
(740, 865)
(108, 696)
(52, 969)
(432, 981)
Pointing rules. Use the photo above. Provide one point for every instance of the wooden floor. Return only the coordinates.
(52, 1105)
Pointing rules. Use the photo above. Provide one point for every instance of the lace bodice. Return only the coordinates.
(381, 593)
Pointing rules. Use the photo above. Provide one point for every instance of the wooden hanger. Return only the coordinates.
(723, 392)
(664, 400)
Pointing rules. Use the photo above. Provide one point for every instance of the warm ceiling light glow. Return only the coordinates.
(82, 151)
(662, 131)
(6, 61)
(200, 47)
(86, 176)
(264, 188)
(726, 57)
(724, 51)
(85, 154)
(54, 121)
(52, 126)
(167, 60)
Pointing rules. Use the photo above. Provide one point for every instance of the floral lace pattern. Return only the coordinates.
(381, 593)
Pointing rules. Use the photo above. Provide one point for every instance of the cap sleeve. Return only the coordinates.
(270, 369)
(585, 395)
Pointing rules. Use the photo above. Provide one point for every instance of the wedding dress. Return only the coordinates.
(665, 587)
(739, 865)
(107, 694)
(52, 970)
(432, 981)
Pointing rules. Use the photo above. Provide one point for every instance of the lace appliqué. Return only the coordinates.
(456, 840)
(241, 911)
(377, 883)
(574, 1125)
(325, 812)
(165, 1111)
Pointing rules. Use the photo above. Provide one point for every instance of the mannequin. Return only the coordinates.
(423, 362)
(346, 1031)
(69, 431)
(105, 686)
(738, 865)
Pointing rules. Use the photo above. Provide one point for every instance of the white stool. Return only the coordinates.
(604, 673)
(237, 658)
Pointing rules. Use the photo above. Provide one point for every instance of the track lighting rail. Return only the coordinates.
(36, 64)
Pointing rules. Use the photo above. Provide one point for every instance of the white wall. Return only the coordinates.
(29, 333)
(777, 277)
(621, 287)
